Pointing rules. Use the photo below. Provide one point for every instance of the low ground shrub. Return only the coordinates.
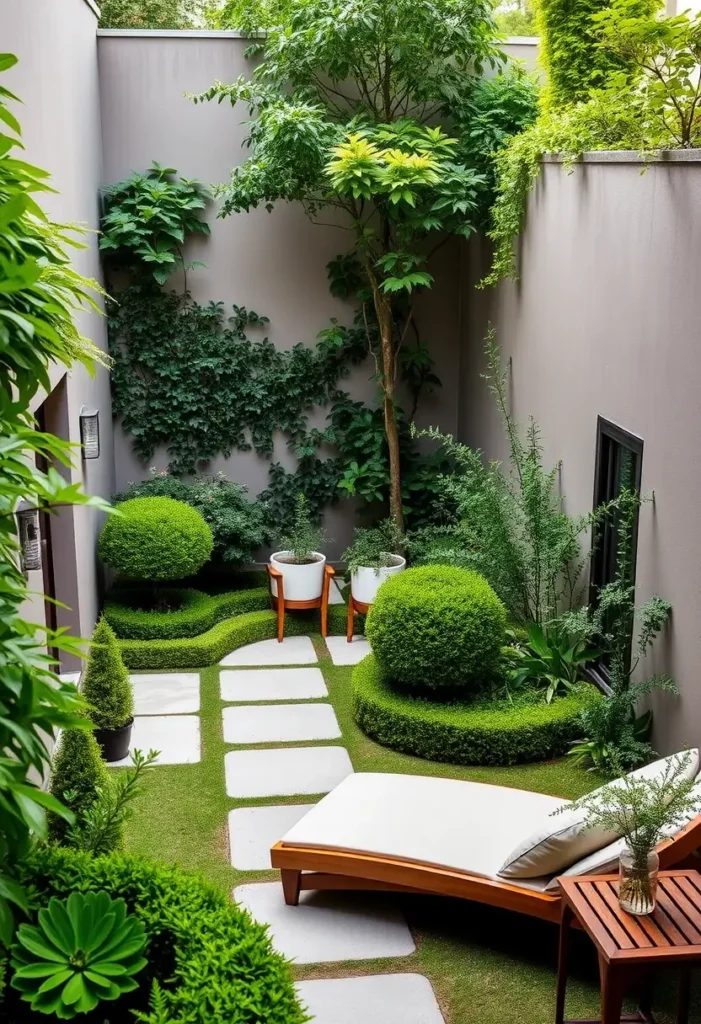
(481, 732)
(77, 773)
(208, 962)
(437, 627)
(156, 539)
(195, 612)
(106, 685)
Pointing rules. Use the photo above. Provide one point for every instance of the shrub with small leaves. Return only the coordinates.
(156, 539)
(437, 627)
(106, 686)
(78, 773)
(304, 538)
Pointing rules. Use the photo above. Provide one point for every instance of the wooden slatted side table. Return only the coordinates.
(629, 946)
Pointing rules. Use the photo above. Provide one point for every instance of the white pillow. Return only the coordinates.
(564, 839)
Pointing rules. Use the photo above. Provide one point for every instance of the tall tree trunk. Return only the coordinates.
(383, 312)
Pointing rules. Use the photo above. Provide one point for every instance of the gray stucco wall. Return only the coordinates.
(271, 262)
(606, 319)
(56, 78)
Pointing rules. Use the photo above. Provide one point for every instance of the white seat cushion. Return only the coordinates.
(565, 839)
(462, 826)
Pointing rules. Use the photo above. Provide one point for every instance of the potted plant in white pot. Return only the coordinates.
(299, 561)
(372, 558)
(643, 811)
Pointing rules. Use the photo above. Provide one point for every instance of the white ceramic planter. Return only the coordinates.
(366, 582)
(300, 582)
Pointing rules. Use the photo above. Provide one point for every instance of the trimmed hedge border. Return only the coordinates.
(209, 648)
(465, 733)
(213, 963)
(198, 613)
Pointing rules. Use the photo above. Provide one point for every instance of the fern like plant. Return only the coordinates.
(82, 951)
(304, 538)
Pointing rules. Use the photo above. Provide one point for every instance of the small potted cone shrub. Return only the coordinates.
(372, 558)
(107, 690)
(301, 565)
(78, 774)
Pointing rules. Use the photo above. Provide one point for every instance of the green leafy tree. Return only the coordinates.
(346, 122)
(164, 14)
(517, 19)
(106, 686)
(39, 295)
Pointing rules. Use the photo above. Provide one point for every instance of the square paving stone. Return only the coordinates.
(177, 737)
(378, 999)
(172, 693)
(280, 723)
(246, 685)
(286, 771)
(328, 926)
(294, 650)
(253, 830)
(344, 653)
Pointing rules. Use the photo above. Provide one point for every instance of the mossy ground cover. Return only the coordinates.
(485, 965)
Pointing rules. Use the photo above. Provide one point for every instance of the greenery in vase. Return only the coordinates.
(304, 538)
(147, 219)
(374, 548)
(513, 527)
(106, 686)
(82, 951)
(345, 117)
(644, 810)
(40, 296)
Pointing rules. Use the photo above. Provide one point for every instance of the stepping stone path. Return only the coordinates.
(263, 692)
(378, 999)
(165, 706)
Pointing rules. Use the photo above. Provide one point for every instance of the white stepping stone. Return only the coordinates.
(344, 653)
(176, 693)
(286, 771)
(335, 595)
(272, 684)
(280, 723)
(177, 737)
(378, 999)
(253, 830)
(294, 650)
(328, 926)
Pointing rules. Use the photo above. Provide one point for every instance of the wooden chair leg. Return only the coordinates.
(350, 620)
(291, 882)
(562, 959)
(328, 573)
(612, 992)
(280, 611)
(683, 995)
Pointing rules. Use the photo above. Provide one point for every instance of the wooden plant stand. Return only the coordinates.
(629, 946)
(281, 605)
(354, 606)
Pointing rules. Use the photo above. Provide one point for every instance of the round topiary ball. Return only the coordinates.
(436, 627)
(156, 539)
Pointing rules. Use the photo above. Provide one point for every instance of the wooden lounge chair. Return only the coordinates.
(403, 833)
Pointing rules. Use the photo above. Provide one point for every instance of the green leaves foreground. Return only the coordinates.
(84, 949)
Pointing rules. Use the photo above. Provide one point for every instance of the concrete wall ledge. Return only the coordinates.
(626, 156)
(93, 7)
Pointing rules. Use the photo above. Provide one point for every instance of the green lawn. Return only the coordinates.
(485, 965)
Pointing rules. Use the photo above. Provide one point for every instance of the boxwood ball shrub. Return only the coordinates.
(479, 731)
(208, 962)
(437, 626)
(156, 539)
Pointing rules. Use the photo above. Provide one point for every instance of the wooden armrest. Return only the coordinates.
(329, 570)
(272, 571)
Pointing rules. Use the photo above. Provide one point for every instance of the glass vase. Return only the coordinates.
(637, 884)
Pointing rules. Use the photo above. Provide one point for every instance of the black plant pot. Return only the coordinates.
(114, 743)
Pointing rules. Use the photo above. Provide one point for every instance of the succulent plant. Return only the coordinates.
(82, 951)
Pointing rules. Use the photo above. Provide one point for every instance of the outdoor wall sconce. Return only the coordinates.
(90, 433)
(29, 536)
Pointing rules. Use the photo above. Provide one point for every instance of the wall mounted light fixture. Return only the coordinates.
(29, 536)
(90, 433)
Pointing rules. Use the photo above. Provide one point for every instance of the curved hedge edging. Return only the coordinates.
(197, 613)
(209, 648)
(465, 733)
(212, 962)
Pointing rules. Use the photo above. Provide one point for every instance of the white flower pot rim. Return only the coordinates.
(276, 557)
(397, 563)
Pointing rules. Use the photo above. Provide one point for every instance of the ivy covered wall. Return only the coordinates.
(273, 263)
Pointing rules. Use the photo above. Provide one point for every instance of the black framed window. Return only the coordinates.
(619, 467)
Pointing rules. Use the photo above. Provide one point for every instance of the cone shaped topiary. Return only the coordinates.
(78, 771)
(106, 686)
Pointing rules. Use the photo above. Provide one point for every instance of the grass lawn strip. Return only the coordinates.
(485, 965)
